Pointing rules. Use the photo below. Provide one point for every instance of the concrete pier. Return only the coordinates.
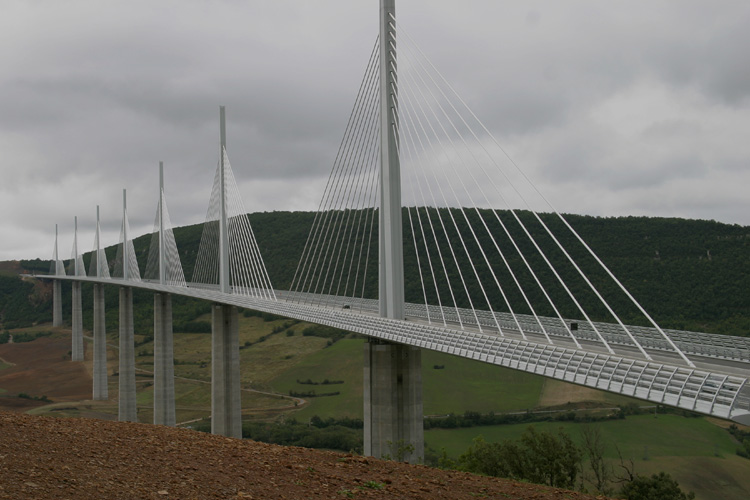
(226, 417)
(127, 407)
(77, 324)
(164, 410)
(393, 402)
(101, 392)
(56, 303)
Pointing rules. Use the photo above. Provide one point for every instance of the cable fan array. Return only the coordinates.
(173, 273)
(126, 250)
(339, 255)
(57, 267)
(98, 265)
(247, 271)
(479, 252)
(76, 259)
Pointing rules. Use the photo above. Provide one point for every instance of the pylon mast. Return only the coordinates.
(162, 250)
(125, 263)
(224, 284)
(391, 239)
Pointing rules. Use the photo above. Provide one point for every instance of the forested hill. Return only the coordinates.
(689, 274)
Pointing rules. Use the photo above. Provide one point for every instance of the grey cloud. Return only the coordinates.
(94, 94)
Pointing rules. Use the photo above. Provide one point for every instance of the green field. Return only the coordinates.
(638, 436)
(475, 386)
(341, 361)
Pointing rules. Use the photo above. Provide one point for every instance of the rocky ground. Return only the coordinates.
(45, 458)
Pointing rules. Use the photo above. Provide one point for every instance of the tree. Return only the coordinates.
(659, 486)
(554, 460)
(491, 459)
(601, 472)
(538, 456)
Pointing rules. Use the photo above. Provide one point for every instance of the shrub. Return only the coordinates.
(659, 486)
(538, 457)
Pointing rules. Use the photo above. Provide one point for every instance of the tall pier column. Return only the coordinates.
(226, 417)
(77, 324)
(57, 320)
(164, 410)
(57, 303)
(393, 402)
(392, 372)
(101, 392)
(127, 406)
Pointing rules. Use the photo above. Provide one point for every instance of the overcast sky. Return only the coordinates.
(611, 108)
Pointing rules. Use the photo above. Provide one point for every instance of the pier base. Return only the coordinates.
(164, 408)
(393, 402)
(127, 407)
(226, 417)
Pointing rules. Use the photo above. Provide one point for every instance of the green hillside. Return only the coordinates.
(689, 274)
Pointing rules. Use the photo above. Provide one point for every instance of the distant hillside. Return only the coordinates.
(688, 274)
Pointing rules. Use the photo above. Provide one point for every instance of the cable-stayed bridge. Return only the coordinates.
(415, 189)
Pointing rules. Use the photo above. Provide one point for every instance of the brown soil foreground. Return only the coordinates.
(46, 457)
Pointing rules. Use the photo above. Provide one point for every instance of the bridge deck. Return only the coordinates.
(718, 387)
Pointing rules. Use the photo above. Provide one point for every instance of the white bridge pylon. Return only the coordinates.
(163, 265)
(466, 254)
(126, 261)
(228, 256)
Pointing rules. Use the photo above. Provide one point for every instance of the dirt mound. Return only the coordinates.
(45, 457)
(42, 368)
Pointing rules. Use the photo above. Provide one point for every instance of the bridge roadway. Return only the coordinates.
(720, 347)
(717, 386)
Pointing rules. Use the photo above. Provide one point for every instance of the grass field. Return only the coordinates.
(638, 436)
(341, 361)
(474, 386)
